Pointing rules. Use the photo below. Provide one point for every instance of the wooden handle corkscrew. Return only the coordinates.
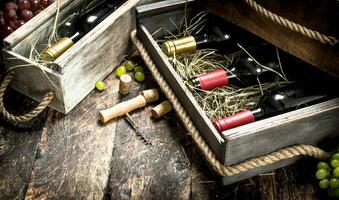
(127, 106)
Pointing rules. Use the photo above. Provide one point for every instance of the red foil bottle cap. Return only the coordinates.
(214, 79)
(238, 119)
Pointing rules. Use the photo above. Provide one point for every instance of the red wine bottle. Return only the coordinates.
(278, 101)
(243, 72)
(75, 28)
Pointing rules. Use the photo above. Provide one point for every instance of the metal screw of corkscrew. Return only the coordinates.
(141, 134)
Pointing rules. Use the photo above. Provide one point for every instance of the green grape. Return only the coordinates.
(324, 184)
(139, 76)
(138, 69)
(335, 163)
(120, 71)
(336, 172)
(323, 165)
(100, 85)
(129, 65)
(334, 183)
(321, 174)
(335, 156)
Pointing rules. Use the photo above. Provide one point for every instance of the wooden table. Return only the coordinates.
(77, 157)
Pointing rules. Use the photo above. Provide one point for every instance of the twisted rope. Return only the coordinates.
(291, 25)
(279, 155)
(28, 116)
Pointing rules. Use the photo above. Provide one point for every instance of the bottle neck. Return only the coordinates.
(94, 17)
(214, 79)
(76, 36)
(210, 40)
(210, 80)
(238, 119)
(258, 113)
(191, 43)
(201, 41)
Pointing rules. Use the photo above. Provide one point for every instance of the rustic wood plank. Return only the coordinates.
(324, 57)
(139, 171)
(35, 80)
(18, 148)
(75, 151)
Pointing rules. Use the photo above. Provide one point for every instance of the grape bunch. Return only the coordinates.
(15, 13)
(129, 66)
(328, 175)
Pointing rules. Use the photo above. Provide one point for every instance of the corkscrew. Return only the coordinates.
(141, 134)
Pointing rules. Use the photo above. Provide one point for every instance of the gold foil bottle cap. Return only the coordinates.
(179, 46)
(53, 52)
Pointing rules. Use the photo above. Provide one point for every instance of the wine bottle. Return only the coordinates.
(277, 101)
(193, 42)
(243, 72)
(75, 28)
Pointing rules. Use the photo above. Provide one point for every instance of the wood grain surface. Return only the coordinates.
(77, 157)
(75, 151)
(17, 149)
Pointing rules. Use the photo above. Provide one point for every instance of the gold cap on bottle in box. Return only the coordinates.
(178, 46)
(53, 52)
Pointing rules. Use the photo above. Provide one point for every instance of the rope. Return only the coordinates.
(28, 116)
(279, 155)
(324, 39)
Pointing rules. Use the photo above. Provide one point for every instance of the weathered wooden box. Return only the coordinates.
(74, 73)
(317, 17)
(308, 125)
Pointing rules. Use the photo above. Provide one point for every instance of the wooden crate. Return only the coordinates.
(321, 16)
(72, 75)
(308, 125)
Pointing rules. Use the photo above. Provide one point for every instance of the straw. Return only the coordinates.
(223, 101)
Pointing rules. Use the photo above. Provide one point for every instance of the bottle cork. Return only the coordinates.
(125, 84)
(161, 109)
(151, 95)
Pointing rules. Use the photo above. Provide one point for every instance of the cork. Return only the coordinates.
(125, 84)
(161, 109)
(151, 95)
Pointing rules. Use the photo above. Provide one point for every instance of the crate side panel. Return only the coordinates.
(98, 56)
(227, 180)
(304, 126)
(34, 81)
